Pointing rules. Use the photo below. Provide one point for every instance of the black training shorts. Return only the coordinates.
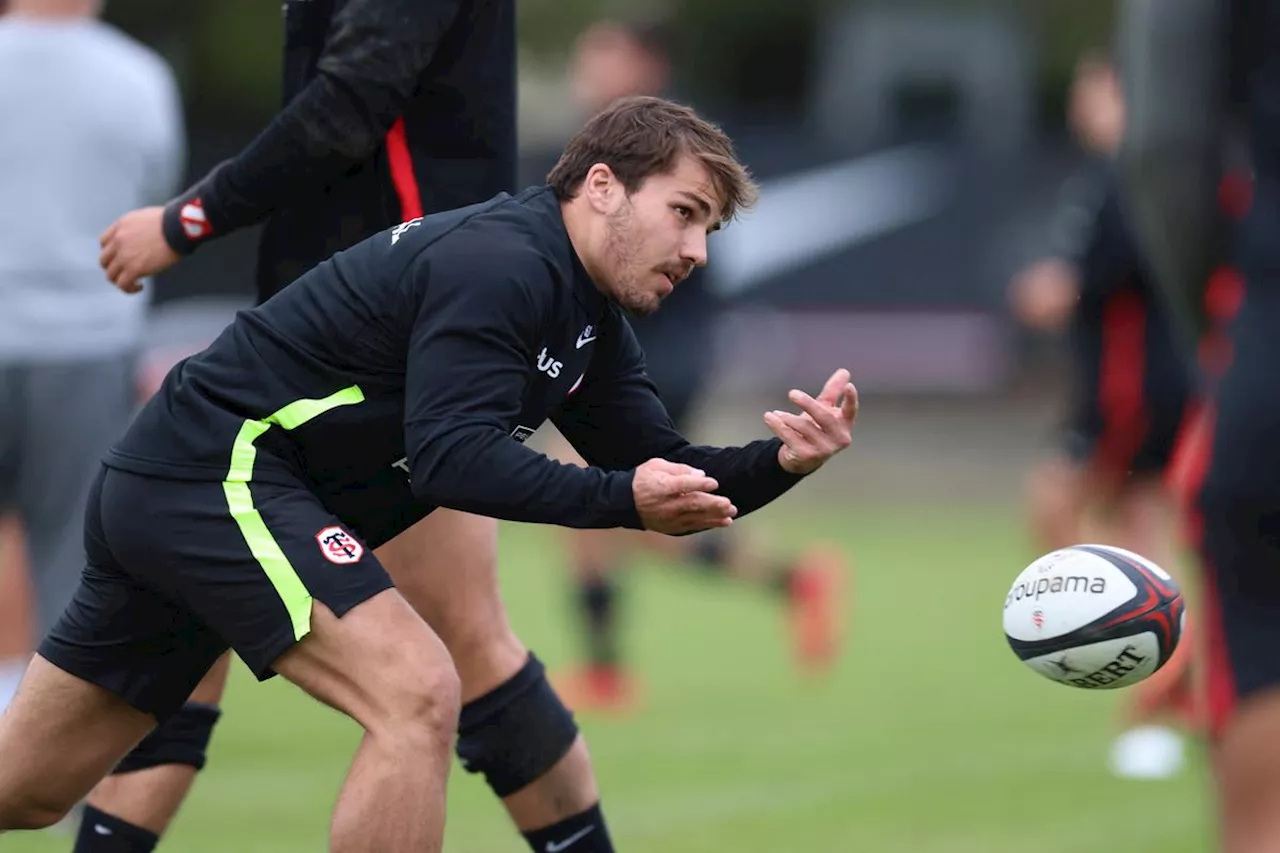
(178, 571)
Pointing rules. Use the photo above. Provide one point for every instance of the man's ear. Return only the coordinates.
(603, 191)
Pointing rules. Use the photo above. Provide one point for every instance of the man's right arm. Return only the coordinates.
(469, 360)
(373, 57)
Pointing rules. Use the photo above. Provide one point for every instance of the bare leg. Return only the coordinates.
(1144, 521)
(16, 619)
(381, 665)
(1056, 494)
(151, 798)
(446, 566)
(60, 736)
(1247, 762)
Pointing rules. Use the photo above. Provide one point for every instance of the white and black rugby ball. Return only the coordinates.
(1094, 616)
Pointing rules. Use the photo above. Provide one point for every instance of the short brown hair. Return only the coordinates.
(641, 136)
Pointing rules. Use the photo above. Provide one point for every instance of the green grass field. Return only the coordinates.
(929, 736)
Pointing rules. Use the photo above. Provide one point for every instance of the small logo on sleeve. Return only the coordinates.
(339, 546)
(194, 221)
(522, 433)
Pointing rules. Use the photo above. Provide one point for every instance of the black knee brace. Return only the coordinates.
(181, 739)
(516, 732)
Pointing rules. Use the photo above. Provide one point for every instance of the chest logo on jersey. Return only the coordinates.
(585, 337)
(548, 364)
(339, 546)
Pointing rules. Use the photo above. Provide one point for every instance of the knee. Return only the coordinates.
(486, 652)
(422, 702)
(181, 739)
(517, 732)
(31, 810)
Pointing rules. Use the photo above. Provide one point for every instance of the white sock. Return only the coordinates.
(11, 670)
(1148, 752)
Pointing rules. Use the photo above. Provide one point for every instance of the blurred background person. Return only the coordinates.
(92, 125)
(614, 58)
(1204, 79)
(1130, 394)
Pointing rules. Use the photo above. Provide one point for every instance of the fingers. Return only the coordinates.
(122, 277)
(778, 428)
(675, 478)
(704, 504)
(831, 391)
(699, 511)
(824, 414)
(692, 483)
(120, 271)
(115, 269)
(849, 405)
(669, 467)
(791, 428)
(108, 254)
(128, 282)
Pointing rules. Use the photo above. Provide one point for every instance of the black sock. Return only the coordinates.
(781, 578)
(104, 833)
(598, 600)
(582, 833)
(711, 551)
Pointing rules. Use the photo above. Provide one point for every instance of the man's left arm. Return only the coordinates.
(616, 420)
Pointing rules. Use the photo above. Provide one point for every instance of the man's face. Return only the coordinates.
(1097, 109)
(655, 236)
(609, 64)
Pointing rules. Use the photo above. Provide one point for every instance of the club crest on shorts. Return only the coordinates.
(339, 546)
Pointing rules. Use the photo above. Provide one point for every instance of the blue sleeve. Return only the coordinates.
(472, 348)
(617, 421)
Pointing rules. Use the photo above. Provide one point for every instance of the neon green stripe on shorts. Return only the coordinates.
(266, 550)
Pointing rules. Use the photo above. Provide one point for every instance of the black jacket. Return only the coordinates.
(394, 108)
(405, 374)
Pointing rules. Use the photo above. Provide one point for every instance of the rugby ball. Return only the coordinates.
(1094, 616)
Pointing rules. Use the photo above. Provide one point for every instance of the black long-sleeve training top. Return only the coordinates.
(393, 109)
(405, 373)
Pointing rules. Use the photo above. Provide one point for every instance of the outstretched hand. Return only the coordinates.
(676, 499)
(822, 429)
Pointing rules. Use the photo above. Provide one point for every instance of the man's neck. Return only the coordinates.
(576, 224)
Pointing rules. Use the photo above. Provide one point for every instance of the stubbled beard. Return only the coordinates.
(621, 253)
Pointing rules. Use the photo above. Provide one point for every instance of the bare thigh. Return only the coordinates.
(61, 736)
(380, 663)
(446, 566)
